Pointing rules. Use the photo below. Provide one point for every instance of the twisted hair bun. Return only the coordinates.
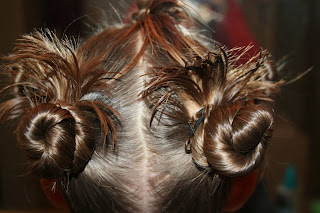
(57, 139)
(229, 126)
(234, 138)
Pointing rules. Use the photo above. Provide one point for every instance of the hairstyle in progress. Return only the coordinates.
(147, 116)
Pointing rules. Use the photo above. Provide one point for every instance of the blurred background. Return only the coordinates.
(289, 29)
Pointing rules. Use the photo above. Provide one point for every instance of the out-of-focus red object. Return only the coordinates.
(241, 190)
(54, 194)
(233, 31)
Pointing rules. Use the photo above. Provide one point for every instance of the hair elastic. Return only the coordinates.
(193, 129)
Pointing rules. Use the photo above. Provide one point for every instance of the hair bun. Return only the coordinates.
(234, 138)
(57, 139)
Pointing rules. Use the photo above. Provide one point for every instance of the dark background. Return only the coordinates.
(287, 28)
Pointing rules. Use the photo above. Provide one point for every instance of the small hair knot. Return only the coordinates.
(140, 14)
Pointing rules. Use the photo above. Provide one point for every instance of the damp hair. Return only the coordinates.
(143, 117)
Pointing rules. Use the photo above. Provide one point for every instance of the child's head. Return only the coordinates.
(148, 116)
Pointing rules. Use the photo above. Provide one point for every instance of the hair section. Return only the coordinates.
(49, 81)
(226, 98)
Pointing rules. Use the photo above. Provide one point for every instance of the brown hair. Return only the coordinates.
(113, 118)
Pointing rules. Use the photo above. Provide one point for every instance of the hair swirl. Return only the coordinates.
(233, 138)
(57, 139)
(51, 81)
(230, 135)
